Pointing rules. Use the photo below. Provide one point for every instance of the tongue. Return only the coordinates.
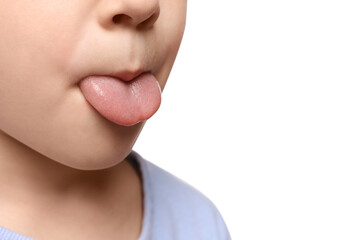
(124, 103)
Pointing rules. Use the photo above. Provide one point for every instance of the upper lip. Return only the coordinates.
(126, 75)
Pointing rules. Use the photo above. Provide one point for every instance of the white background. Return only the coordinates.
(262, 114)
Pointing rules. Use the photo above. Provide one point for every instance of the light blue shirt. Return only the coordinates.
(173, 210)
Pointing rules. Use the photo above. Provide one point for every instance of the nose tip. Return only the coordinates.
(138, 13)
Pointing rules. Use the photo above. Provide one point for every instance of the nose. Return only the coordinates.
(137, 13)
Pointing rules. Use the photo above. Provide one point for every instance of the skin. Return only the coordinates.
(61, 162)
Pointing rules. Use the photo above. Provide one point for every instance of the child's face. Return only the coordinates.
(47, 47)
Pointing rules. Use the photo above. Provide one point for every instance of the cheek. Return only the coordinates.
(173, 24)
(37, 34)
(170, 30)
(35, 45)
(35, 100)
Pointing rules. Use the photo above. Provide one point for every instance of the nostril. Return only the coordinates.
(119, 18)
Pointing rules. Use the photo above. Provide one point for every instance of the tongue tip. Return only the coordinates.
(128, 124)
(132, 120)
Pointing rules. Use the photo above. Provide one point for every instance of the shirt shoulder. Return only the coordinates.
(7, 234)
(176, 210)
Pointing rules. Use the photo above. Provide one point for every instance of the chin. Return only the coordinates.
(100, 152)
(94, 159)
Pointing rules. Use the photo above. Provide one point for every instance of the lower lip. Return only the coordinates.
(124, 103)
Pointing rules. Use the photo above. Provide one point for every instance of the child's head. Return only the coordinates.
(48, 47)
